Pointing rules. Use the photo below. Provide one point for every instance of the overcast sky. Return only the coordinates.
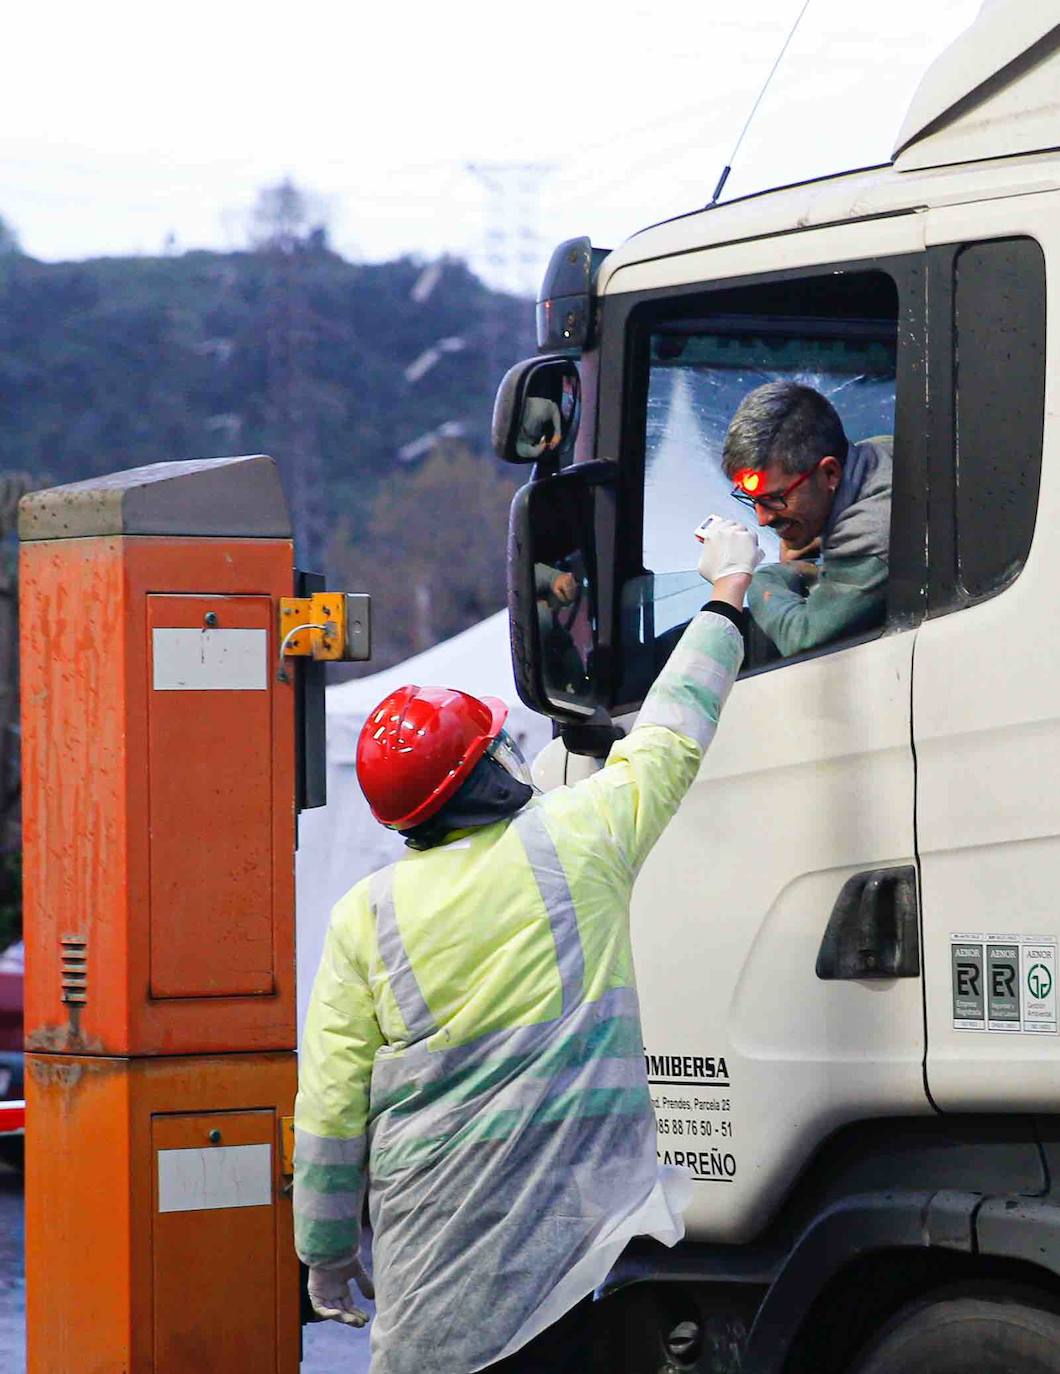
(123, 122)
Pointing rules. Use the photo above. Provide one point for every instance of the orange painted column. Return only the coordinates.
(159, 829)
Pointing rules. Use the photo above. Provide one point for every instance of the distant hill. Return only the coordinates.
(115, 362)
(371, 384)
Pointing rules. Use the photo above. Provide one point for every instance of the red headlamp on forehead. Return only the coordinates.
(748, 480)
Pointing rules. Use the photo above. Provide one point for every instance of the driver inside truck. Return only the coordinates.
(558, 592)
(546, 420)
(541, 429)
(829, 500)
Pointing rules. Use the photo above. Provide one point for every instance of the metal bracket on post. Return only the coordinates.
(326, 626)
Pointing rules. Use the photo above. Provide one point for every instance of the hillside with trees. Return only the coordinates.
(371, 384)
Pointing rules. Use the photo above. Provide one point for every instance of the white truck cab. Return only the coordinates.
(846, 942)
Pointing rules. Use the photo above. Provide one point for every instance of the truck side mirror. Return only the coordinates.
(537, 410)
(560, 630)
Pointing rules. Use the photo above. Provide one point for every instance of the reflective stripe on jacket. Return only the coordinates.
(473, 1044)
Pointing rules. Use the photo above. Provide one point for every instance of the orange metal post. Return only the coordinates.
(158, 776)
(114, 1282)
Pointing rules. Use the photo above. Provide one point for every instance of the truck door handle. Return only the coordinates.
(873, 931)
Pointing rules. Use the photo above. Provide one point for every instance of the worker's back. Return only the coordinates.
(477, 927)
(510, 1024)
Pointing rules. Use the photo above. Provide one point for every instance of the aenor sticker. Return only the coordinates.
(966, 959)
(1003, 986)
(1004, 983)
(1038, 961)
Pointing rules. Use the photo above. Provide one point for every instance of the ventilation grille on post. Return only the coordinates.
(75, 968)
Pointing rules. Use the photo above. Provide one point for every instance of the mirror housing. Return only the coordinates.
(537, 412)
(565, 306)
(559, 607)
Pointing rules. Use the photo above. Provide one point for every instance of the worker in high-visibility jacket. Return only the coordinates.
(473, 1042)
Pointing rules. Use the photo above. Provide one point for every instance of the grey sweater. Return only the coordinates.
(849, 593)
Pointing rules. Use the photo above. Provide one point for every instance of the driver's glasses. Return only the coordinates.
(744, 491)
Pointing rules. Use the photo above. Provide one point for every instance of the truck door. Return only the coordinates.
(985, 713)
(800, 825)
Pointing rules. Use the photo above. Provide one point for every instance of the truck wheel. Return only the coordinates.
(993, 1332)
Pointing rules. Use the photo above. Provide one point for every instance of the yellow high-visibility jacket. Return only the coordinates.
(473, 1046)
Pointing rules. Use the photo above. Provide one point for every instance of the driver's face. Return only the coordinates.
(807, 507)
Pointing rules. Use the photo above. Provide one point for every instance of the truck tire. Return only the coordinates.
(993, 1332)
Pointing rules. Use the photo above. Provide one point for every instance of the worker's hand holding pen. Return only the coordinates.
(329, 1291)
(730, 551)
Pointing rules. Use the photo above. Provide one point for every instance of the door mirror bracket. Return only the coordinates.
(594, 737)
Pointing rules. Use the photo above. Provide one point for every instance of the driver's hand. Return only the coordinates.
(791, 554)
(565, 588)
(809, 572)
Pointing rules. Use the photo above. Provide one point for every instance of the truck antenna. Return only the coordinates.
(747, 123)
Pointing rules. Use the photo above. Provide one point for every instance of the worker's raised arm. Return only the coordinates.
(648, 773)
(338, 1046)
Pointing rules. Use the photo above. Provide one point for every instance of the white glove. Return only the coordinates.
(329, 1291)
(728, 547)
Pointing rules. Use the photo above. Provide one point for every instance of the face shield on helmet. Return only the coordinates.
(505, 751)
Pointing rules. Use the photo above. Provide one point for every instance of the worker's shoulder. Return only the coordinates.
(574, 813)
(355, 902)
(552, 810)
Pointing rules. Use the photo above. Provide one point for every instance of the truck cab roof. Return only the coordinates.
(983, 123)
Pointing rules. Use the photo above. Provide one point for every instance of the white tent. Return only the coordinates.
(341, 842)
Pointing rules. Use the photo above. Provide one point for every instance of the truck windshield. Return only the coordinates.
(698, 372)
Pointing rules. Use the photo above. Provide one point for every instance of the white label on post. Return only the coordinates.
(223, 1176)
(210, 660)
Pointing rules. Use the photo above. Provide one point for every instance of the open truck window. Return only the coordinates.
(695, 359)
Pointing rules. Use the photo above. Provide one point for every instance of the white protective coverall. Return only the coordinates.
(473, 1045)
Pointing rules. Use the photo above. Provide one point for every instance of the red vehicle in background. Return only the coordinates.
(12, 964)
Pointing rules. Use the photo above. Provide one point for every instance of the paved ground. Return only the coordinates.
(12, 1288)
(332, 1349)
(328, 1347)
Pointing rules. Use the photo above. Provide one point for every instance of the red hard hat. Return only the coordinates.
(418, 746)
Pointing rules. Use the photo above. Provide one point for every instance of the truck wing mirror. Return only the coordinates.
(536, 414)
(560, 630)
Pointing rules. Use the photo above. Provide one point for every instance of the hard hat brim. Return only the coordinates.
(498, 714)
